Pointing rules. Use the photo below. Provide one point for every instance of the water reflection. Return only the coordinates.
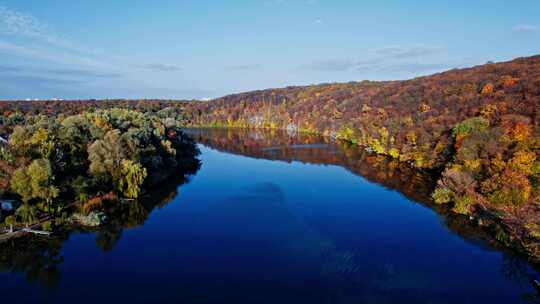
(279, 145)
(414, 184)
(39, 258)
(237, 237)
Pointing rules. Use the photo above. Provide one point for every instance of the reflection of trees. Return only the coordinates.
(278, 145)
(412, 183)
(131, 214)
(39, 258)
(517, 270)
(108, 237)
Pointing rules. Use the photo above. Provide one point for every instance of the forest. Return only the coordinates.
(475, 129)
(57, 168)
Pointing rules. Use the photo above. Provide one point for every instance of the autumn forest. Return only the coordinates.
(477, 130)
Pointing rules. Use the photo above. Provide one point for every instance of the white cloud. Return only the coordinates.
(42, 43)
(274, 2)
(17, 23)
(159, 67)
(54, 60)
(526, 28)
(389, 59)
(245, 67)
(408, 52)
(47, 45)
(51, 55)
(332, 65)
(20, 24)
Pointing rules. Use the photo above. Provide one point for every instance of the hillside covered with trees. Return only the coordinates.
(477, 129)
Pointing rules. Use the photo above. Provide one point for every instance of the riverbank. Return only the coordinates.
(300, 212)
(512, 227)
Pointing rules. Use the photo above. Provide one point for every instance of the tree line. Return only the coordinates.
(477, 129)
(57, 165)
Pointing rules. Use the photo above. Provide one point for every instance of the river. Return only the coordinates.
(272, 217)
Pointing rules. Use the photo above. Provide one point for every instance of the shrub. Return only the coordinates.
(347, 134)
(514, 188)
(523, 162)
(487, 89)
(95, 203)
(442, 195)
(10, 220)
(462, 204)
(469, 126)
(394, 152)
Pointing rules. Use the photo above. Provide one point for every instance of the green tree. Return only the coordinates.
(106, 156)
(133, 175)
(27, 214)
(35, 182)
(41, 177)
(20, 184)
(109, 160)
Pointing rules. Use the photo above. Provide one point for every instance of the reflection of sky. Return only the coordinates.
(254, 230)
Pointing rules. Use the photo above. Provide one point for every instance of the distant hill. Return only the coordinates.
(410, 120)
(476, 128)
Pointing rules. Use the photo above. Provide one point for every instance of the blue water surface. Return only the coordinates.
(252, 230)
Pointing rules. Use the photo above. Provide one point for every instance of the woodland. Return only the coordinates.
(476, 130)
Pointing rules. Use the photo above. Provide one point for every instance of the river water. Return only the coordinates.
(274, 218)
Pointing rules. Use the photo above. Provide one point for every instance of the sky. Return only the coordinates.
(204, 49)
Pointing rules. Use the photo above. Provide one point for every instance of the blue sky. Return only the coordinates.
(205, 49)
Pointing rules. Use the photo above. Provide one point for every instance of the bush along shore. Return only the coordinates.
(477, 129)
(57, 170)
